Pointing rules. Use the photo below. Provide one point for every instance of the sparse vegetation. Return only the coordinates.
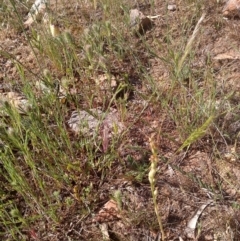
(81, 93)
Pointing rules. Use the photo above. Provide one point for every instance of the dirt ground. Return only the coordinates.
(186, 180)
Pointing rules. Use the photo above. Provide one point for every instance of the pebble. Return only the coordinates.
(172, 7)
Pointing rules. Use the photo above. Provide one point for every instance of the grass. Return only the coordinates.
(47, 170)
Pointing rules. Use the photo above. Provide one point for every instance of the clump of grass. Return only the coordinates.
(185, 101)
(39, 157)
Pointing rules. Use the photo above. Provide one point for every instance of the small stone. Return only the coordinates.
(139, 22)
(231, 8)
(15, 100)
(89, 122)
(85, 123)
(36, 12)
(172, 7)
(135, 17)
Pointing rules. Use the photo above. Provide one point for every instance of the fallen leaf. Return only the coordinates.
(191, 225)
(108, 213)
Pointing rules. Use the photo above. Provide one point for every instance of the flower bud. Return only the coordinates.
(155, 193)
(151, 175)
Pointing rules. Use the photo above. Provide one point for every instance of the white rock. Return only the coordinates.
(88, 123)
(37, 9)
(172, 7)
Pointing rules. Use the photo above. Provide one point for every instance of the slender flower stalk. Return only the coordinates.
(152, 180)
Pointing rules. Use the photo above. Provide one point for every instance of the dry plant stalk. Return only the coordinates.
(190, 43)
(152, 180)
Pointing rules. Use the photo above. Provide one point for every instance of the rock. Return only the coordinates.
(88, 122)
(135, 17)
(14, 100)
(83, 122)
(139, 22)
(36, 12)
(172, 7)
(231, 8)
